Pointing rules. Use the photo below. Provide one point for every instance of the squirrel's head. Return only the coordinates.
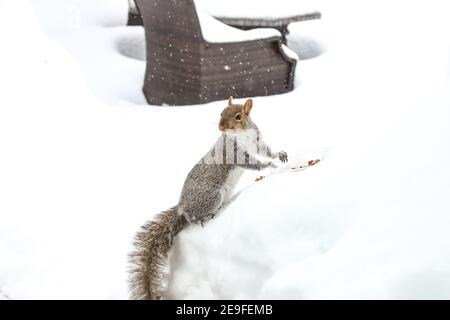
(235, 117)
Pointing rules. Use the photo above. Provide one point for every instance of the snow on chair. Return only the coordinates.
(193, 58)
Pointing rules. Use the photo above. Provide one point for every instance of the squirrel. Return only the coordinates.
(207, 188)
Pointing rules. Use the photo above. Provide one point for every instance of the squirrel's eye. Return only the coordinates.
(237, 116)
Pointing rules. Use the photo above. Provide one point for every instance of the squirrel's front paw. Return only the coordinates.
(283, 156)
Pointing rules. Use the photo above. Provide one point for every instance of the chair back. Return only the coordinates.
(172, 20)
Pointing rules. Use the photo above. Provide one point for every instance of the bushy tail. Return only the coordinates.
(152, 244)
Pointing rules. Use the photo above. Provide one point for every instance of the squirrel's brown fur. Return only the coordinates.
(152, 244)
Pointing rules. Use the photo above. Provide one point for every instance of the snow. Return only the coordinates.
(308, 38)
(289, 53)
(84, 161)
(214, 31)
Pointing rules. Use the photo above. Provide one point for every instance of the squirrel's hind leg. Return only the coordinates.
(202, 207)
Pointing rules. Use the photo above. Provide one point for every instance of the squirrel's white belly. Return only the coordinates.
(231, 182)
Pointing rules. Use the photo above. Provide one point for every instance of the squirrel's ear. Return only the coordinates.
(230, 100)
(248, 106)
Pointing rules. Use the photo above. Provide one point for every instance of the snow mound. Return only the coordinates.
(66, 16)
(133, 45)
(307, 38)
(340, 229)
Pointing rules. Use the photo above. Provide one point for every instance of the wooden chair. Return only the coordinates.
(184, 68)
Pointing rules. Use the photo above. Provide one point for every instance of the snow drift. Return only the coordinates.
(367, 222)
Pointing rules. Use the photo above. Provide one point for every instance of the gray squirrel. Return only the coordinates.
(207, 188)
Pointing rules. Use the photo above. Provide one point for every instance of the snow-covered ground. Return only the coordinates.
(84, 161)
